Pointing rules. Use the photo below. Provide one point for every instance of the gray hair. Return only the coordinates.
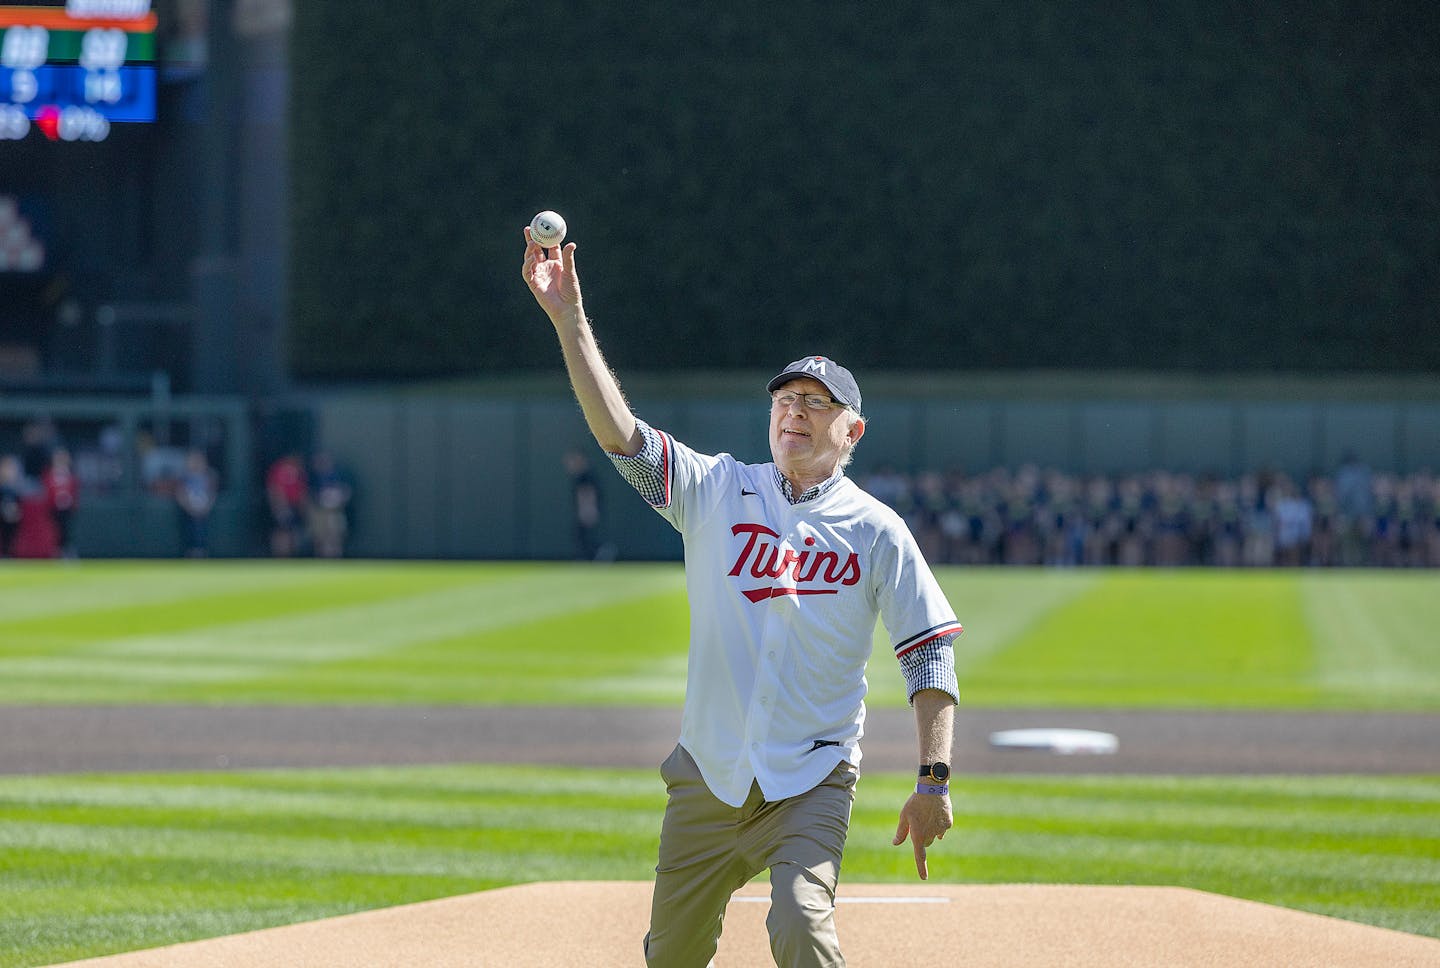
(854, 416)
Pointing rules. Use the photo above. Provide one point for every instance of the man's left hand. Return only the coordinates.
(924, 819)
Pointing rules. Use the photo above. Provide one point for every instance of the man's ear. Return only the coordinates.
(857, 430)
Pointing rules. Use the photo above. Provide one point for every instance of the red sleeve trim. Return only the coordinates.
(665, 468)
(905, 648)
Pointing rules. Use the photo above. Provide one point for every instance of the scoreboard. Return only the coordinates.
(71, 68)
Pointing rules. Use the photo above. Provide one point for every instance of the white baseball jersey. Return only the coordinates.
(783, 603)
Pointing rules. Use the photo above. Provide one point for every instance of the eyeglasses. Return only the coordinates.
(813, 401)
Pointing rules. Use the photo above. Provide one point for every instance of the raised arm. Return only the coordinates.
(556, 288)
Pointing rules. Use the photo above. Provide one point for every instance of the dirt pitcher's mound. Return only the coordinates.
(598, 924)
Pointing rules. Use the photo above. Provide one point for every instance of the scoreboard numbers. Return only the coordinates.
(72, 70)
(25, 48)
(102, 49)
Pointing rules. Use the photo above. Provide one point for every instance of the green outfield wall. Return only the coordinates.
(473, 472)
(476, 470)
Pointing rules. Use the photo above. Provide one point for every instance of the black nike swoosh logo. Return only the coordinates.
(746, 493)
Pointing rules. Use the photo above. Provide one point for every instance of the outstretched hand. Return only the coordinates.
(552, 280)
(924, 819)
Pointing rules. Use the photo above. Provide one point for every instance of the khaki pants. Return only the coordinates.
(708, 850)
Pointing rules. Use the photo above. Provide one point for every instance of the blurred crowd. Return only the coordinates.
(43, 484)
(1033, 516)
(309, 506)
(41, 487)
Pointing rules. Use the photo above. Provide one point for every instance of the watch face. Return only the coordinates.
(940, 772)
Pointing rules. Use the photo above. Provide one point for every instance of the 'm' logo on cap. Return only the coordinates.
(816, 365)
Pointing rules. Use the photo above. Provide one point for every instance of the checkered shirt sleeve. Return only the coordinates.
(932, 666)
(646, 470)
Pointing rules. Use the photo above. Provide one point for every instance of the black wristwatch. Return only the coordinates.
(939, 772)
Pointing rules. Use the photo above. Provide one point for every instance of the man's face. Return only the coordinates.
(811, 442)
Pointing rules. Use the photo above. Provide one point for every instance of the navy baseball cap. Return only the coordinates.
(837, 379)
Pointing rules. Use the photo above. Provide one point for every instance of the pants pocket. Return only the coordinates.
(678, 768)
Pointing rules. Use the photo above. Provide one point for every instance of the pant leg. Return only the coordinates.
(699, 869)
(808, 835)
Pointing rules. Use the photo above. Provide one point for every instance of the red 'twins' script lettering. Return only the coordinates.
(766, 560)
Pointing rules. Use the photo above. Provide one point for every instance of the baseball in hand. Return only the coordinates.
(547, 229)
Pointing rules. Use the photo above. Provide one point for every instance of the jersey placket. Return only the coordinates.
(774, 638)
(767, 680)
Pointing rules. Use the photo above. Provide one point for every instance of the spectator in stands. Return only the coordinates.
(195, 493)
(26, 528)
(1354, 492)
(287, 496)
(889, 486)
(160, 464)
(1325, 518)
(586, 502)
(1294, 520)
(329, 508)
(62, 496)
(103, 468)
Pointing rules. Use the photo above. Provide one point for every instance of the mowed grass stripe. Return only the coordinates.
(486, 853)
(498, 633)
(546, 660)
(300, 637)
(996, 606)
(38, 590)
(1375, 631)
(103, 863)
(1157, 639)
(321, 607)
(246, 594)
(1345, 806)
(999, 606)
(630, 651)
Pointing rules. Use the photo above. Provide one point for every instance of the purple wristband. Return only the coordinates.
(933, 790)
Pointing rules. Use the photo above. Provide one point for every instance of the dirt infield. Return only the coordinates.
(60, 739)
(599, 925)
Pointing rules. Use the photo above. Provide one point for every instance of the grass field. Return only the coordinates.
(109, 863)
(230, 632)
(90, 864)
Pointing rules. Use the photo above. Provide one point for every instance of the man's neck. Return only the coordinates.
(801, 480)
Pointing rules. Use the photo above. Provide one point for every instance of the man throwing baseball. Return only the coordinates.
(788, 567)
